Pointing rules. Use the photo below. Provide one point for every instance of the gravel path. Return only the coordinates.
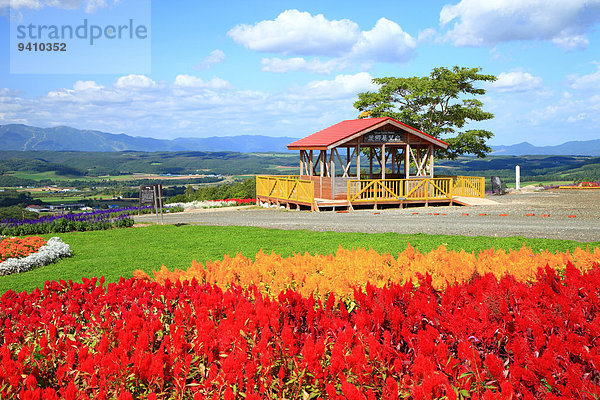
(551, 219)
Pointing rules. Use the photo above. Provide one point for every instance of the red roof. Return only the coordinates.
(342, 130)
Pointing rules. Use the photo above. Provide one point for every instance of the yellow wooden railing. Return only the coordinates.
(469, 186)
(289, 187)
(293, 188)
(368, 190)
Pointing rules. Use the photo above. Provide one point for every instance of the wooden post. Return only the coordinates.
(311, 164)
(383, 161)
(358, 161)
(331, 164)
(332, 174)
(301, 162)
(347, 162)
(321, 163)
(407, 161)
(370, 162)
(431, 160)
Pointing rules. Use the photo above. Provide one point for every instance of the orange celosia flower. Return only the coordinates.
(345, 270)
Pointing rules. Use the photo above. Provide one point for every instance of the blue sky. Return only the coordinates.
(290, 68)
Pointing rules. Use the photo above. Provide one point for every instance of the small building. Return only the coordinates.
(37, 208)
(66, 207)
(367, 161)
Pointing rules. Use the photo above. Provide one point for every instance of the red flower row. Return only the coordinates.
(486, 339)
(15, 247)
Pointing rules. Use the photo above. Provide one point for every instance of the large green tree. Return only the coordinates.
(440, 104)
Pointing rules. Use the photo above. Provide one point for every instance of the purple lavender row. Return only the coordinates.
(92, 216)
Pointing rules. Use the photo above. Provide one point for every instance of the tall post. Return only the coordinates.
(321, 167)
(358, 161)
(407, 161)
(518, 177)
(431, 160)
(370, 162)
(347, 168)
(311, 163)
(383, 161)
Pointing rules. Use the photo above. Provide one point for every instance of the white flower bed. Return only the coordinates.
(204, 204)
(50, 252)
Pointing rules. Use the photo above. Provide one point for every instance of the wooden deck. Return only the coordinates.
(293, 191)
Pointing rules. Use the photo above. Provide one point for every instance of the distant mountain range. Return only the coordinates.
(574, 148)
(64, 138)
(23, 137)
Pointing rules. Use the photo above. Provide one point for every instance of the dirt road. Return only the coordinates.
(549, 214)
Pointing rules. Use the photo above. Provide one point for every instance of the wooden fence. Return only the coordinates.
(288, 187)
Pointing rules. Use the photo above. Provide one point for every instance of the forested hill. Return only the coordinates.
(63, 138)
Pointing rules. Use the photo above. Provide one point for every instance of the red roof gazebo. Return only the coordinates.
(400, 167)
(393, 140)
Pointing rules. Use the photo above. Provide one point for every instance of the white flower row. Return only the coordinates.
(204, 204)
(50, 252)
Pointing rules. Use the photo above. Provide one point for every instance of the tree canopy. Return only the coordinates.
(440, 105)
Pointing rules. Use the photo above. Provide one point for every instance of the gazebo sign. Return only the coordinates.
(147, 194)
(384, 137)
(152, 195)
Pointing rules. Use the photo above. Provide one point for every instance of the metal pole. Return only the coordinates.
(518, 177)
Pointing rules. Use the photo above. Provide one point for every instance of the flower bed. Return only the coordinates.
(95, 220)
(15, 247)
(47, 253)
(193, 205)
(482, 339)
(347, 269)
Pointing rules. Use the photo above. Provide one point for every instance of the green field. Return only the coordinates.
(70, 196)
(119, 252)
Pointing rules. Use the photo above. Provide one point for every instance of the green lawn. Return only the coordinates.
(119, 252)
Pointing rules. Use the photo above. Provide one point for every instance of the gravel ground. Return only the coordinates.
(552, 219)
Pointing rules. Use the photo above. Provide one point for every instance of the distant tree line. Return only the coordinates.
(13, 203)
(241, 190)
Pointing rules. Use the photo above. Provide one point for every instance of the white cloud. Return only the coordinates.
(134, 81)
(578, 117)
(86, 85)
(314, 65)
(298, 33)
(585, 82)
(188, 81)
(386, 42)
(64, 4)
(487, 23)
(301, 34)
(188, 106)
(90, 6)
(215, 57)
(94, 5)
(426, 35)
(341, 86)
(18, 4)
(516, 81)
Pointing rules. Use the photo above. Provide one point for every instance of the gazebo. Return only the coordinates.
(367, 161)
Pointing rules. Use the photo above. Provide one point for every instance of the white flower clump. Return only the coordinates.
(50, 252)
(204, 204)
